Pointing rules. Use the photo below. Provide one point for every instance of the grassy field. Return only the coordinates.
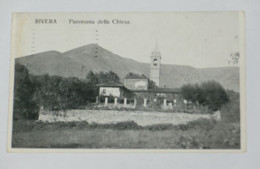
(196, 134)
(200, 134)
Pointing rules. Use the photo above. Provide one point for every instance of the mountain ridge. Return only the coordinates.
(79, 61)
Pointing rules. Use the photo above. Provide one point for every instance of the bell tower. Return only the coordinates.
(155, 65)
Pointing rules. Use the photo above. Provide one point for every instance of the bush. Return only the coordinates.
(58, 93)
(126, 125)
(160, 127)
(210, 94)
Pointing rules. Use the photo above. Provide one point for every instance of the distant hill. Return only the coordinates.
(78, 62)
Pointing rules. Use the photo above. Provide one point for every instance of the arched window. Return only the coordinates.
(155, 62)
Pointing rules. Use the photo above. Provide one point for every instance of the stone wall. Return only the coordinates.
(114, 116)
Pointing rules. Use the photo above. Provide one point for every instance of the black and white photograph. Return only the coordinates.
(128, 82)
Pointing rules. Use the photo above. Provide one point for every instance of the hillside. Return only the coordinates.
(78, 62)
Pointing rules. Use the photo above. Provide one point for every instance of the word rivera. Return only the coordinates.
(45, 21)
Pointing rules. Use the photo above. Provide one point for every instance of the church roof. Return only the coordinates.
(156, 50)
(135, 76)
(159, 90)
(110, 84)
(165, 90)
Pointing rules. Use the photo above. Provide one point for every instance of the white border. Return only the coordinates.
(248, 160)
(51, 150)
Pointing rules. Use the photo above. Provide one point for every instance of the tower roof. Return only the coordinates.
(156, 51)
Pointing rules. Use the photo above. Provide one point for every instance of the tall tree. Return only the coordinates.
(24, 103)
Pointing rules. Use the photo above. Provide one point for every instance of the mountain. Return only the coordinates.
(78, 62)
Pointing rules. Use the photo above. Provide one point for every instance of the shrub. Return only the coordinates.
(210, 94)
(126, 125)
(159, 127)
(58, 93)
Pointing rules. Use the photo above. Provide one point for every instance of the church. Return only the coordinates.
(138, 85)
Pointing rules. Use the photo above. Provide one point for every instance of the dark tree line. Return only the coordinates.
(31, 92)
(58, 93)
(102, 77)
(210, 94)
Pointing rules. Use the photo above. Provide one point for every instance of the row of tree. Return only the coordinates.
(31, 92)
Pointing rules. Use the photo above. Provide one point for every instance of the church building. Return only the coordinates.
(138, 85)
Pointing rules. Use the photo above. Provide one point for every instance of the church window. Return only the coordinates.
(155, 62)
(104, 91)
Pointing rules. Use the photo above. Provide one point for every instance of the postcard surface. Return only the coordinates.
(127, 82)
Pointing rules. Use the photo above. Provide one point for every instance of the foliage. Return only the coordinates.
(210, 94)
(49, 92)
(58, 93)
(25, 106)
(33, 92)
(131, 74)
(93, 79)
(151, 84)
(230, 112)
(102, 77)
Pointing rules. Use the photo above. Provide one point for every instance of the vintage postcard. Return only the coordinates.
(127, 82)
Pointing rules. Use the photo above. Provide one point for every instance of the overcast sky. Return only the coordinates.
(199, 39)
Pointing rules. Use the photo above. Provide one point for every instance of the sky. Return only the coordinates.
(198, 39)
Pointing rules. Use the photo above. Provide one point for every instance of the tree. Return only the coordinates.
(188, 91)
(215, 94)
(93, 79)
(210, 94)
(151, 84)
(58, 93)
(25, 106)
(109, 77)
(102, 77)
(131, 74)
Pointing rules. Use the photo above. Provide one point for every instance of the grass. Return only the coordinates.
(200, 134)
